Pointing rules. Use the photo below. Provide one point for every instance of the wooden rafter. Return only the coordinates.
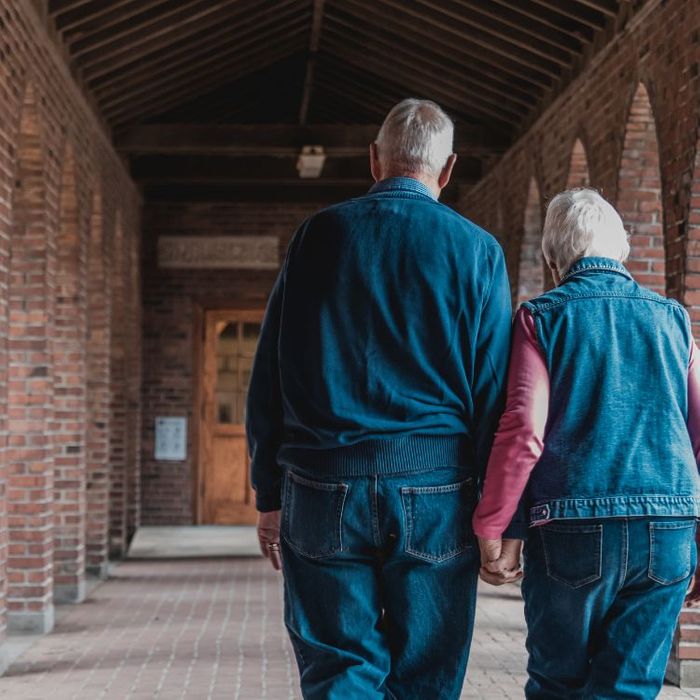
(314, 41)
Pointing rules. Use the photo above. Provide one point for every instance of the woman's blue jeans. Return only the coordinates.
(602, 599)
(380, 580)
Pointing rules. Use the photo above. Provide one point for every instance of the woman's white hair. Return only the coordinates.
(416, 137)
(580, 223)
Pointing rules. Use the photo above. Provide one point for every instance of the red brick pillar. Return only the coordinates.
(639, 195)
(30, 387)
(70, 390)
(578, 167)
(118, 448)
(133, 361)
(99, 393)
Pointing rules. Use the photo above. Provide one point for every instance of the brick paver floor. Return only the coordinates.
(212, 629)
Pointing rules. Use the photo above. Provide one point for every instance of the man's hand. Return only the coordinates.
(500, 561)
(269, 537)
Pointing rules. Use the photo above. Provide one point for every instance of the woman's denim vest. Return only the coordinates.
(616, 441)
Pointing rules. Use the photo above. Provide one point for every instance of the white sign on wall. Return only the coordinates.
(219, 252)
(171, 439)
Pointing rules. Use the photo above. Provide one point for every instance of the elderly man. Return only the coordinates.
(375, 392)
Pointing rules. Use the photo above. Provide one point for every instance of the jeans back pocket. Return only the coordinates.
(671, 550)
(438, 520)
(573, 552)
(312, 515)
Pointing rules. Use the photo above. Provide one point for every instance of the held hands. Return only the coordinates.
(500, 561)
(269, 537)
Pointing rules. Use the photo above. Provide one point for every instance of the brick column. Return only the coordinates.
(99, 393)
(118, 444)
(531, 267)
(30, 387)
(133, 361)
(70, 394)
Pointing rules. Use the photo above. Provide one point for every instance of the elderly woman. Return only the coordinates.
(597, 450)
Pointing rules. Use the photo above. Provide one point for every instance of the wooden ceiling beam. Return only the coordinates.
(169, 36)
(100, 15)
(425, 83)
(314, 40)
(531, 10)
(490, 29)
(279, 140)
(494, 46)
(57, 7)
(440, 63)
(202, 44)
(576, 11)
(159, 103)
(607, 7)
(512, 16)
(178, 70)
(426, 34)
(244, 52)
(413, 72)
(152, 15)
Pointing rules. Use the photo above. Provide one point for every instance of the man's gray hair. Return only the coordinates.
(416, 137)
(580, 223)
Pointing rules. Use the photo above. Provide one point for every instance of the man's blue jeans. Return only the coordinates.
(380, 580)
(602, 599)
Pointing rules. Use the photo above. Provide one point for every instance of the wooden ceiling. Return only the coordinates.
(493, 64)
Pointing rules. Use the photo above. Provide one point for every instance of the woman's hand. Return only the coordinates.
(500, 561)
(269, 537)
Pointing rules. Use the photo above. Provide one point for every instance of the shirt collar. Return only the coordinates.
(596, 264)
(402, 183)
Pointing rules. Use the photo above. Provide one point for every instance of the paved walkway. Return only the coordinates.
(211, 628)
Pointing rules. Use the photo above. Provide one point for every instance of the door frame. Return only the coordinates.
(202, 313)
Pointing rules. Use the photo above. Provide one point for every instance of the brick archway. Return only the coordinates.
(30, 386)
(531, 280)
(99, 392)
(639, 197)
(578, 167)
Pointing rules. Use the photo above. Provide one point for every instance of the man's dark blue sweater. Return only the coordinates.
(385, 343)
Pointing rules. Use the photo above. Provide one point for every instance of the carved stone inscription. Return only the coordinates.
(219, 252)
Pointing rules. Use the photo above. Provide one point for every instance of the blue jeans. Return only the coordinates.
(602, 599)
(380, 580)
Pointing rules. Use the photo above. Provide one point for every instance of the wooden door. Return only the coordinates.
(226, 495)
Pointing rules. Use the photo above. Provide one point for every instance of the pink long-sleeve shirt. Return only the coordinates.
(520, 438)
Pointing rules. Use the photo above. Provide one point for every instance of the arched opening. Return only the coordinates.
(531, 281)
(98, 372)
(118, 447)
(639, 198)
(578, 167)
(30, 386)
(69, 394)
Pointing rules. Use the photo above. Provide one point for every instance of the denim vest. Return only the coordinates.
(616, 441)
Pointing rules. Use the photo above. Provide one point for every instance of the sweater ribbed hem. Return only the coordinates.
(410, 453)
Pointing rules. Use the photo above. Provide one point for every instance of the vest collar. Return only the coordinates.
(595, 264)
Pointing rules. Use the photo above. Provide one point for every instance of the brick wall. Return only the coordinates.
(171, 299)
(61, 186)
(635, 112)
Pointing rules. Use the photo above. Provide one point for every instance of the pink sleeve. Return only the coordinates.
(694, 401)
(519, 440)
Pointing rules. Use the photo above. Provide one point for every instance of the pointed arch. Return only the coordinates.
(639, 196)
(30, 384)
(531, 281)
(99, 391)
(578, 167)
